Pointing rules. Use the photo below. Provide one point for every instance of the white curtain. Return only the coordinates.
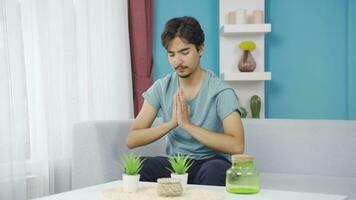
(13, 104)
(77, 64)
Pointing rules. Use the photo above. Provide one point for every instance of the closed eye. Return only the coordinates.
(185, 52)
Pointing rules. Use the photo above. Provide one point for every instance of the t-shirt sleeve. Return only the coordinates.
(152, 94)
(227, 103)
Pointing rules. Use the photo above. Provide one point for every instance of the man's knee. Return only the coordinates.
(213, 172)
(213, 167)
(148, 163)
(147, 170)
(153, 168)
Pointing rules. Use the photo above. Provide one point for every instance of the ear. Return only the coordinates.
(201, 50)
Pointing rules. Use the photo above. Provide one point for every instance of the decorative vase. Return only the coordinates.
(255, 105)
(130, 182)
(183, 179)
(241, 17)
(247, 63)
(231, 17)
(258, 17)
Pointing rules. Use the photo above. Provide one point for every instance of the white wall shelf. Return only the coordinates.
(228, 29)
(246, 84)
(246, 76)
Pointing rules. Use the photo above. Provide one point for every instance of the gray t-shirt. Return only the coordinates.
(211, 105)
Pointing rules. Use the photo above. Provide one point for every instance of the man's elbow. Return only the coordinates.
(129, 143)
(238, 149)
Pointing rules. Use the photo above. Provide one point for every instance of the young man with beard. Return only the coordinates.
(200, 111)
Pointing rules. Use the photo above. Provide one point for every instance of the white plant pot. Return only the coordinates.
(183, 179)
(130, 182)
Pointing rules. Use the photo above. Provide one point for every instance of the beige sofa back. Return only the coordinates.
(299, 155)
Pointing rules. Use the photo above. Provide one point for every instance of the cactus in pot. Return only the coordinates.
(255, 105)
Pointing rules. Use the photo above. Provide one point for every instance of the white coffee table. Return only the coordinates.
(95, 193)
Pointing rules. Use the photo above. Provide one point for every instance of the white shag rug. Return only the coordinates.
(150, 193)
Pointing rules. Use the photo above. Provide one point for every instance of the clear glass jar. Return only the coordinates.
(242, 177)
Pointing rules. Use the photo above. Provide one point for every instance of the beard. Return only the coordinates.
(183, 75)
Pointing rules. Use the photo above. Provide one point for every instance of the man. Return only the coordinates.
(199, 111)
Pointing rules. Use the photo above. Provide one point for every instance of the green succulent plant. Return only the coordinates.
(255, 105)
(180, 164)
(132, 164)
(247, 45)
(243, 112)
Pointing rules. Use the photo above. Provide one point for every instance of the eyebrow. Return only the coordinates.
(181, 50)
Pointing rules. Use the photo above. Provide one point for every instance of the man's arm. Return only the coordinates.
(231, 141)
(141, 132)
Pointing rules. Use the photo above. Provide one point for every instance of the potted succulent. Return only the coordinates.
(180, 165)
(243, 112)
(247, 63)
(132, 165)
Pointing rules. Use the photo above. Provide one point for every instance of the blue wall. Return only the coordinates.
(352, 59)
(308, 57)
(310, 53)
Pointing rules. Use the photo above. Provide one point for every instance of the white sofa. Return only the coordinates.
(297, 155)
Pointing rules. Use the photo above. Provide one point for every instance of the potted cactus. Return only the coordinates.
(255, 105)
(180, 165)
(132, 165)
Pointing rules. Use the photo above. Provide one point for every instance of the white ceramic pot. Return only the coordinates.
(183, 179)
(130, 182)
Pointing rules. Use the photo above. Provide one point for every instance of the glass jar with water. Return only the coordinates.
(242, 177)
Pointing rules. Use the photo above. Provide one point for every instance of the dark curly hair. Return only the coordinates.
(186, 28)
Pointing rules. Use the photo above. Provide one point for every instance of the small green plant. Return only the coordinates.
(180, 164)
(131, 164)
(255, 105)
(243, 112)
(247, 45)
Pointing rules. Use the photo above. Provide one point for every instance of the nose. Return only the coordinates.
(177, 60)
